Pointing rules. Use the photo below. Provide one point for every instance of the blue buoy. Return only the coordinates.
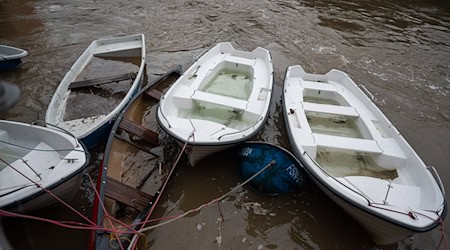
(284, 176)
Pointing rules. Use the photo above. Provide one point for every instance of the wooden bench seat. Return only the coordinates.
(127, 195)
(139, 130)
(102, 80)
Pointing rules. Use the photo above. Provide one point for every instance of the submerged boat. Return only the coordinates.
(97, 87)
(130, 180)
(285, 174)
(358, 158)
(221, 100)
(11, 57)
(32, 154)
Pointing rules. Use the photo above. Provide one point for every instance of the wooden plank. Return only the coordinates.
(154, 93)
(102, 80)
(139, 130)
(127, 195)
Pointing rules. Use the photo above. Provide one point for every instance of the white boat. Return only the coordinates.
(11, 57)
(93, 127)
(221, 100)
(358, 158)
(32, 154)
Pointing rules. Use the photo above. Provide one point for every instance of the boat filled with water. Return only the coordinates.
(221, 100)
(358, 158)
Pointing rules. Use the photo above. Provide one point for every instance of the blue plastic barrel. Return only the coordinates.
(284, 176)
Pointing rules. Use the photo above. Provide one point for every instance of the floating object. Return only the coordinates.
(9, 95)
(358, 158)
(284, 176)
(32, 154)
(11, 57)
(93, 127)
(221, 100)
(129, 178)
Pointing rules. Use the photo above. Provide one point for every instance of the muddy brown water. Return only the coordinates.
(399, 50)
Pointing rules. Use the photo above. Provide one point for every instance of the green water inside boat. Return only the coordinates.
(320, 100)
(337, 125)
(230, 118)
(230, 83)
(341, 164)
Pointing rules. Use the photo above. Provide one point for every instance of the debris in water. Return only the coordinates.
(199, 227)
(256, 208)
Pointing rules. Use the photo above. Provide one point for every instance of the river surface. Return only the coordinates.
(400, 50)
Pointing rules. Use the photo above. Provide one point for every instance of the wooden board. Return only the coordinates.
(154, 93)
(127, 195)
(139, 130)
(102, 80)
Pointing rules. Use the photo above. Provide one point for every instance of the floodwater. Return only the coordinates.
(399, 50)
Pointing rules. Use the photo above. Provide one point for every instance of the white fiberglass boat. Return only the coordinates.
(221, 100)
(32, 154)
(358, 158)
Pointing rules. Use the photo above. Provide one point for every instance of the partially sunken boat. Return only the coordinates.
(97, 87)
(132, 173)
(32, 155)
(358, 158)
(221, 100)
(11, 57)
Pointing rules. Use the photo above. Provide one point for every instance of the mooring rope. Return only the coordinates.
(133, 242)
(203, 205)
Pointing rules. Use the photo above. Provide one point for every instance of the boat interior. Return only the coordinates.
(226, 93)
(354, 143)
(27, 156)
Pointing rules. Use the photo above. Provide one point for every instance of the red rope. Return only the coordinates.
(50, 193)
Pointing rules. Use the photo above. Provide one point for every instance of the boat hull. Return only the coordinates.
(66, 190)
(10, 64)
(381, 231)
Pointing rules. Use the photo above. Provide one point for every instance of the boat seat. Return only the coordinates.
(318, 86)
(208, 98)
(240, 60)
(346, 143)
(330, 109)
(376, 189)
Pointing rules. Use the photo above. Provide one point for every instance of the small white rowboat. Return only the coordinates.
(92, 128)
(221, 100)
(358, 158)
(11, 57)
(51, 158)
